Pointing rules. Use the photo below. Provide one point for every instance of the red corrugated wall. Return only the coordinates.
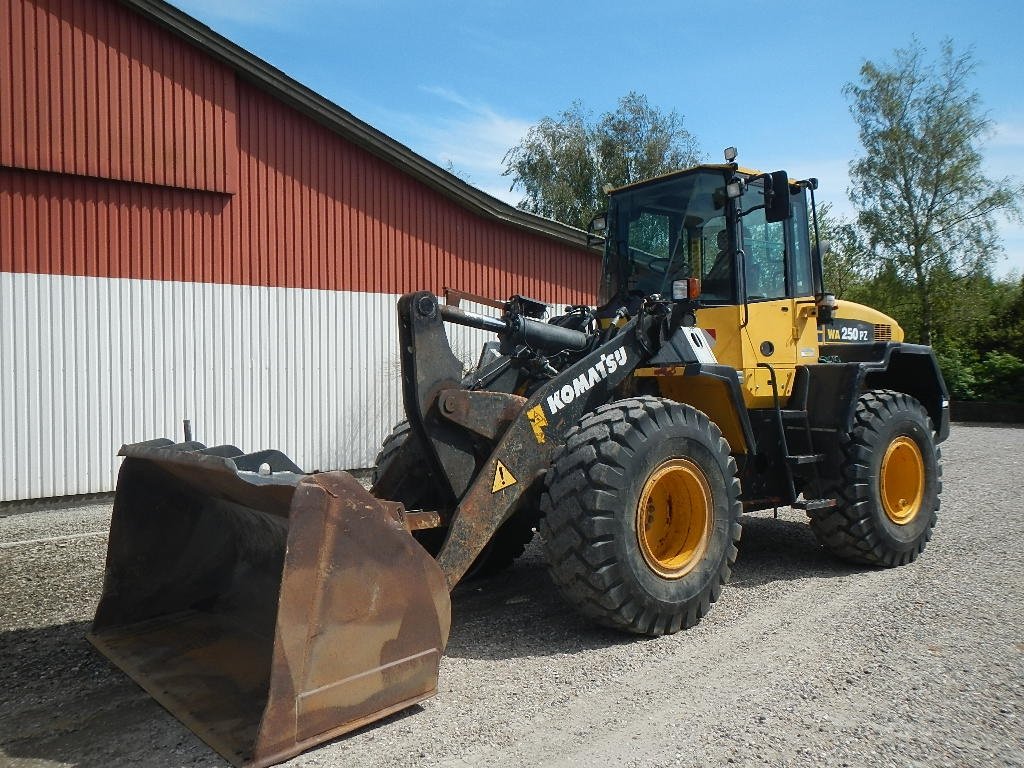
(90, 89)
(127, 152)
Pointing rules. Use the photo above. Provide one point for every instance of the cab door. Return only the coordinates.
(778, 323)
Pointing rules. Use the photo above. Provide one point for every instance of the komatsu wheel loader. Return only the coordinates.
(270, 609)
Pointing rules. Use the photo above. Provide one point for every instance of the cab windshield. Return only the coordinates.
(671, 229)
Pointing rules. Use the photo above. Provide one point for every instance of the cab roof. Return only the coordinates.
(722, 167)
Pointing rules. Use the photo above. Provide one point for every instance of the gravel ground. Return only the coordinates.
(804, 661)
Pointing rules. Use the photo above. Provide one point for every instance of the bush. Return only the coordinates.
(958, 369)
(1001, 378)
(997, 377)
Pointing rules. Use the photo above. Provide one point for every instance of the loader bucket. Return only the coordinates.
(269, 611)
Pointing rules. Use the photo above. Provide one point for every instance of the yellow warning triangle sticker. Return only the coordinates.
(502, 478)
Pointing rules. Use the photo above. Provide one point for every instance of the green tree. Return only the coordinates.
(846, 265)
(562, 163)
(959, 364)
(1004, 331)
(925, 204)
(979, 329)
(1003, 377)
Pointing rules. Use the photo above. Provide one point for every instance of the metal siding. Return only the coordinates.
(300, 182)
(251, 366)
(70, 225)
(91, 362)
(92, 89)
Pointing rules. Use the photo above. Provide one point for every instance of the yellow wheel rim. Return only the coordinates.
(674, 518)
(902, 480)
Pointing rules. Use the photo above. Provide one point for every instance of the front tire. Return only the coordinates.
(641, 515)
(418, 491)
(888, 486)
(416, 488)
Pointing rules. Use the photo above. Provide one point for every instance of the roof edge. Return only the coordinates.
(307, 101)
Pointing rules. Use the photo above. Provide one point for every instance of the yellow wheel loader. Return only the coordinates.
(270, 609)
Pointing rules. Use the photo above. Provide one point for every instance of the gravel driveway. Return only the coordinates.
(804, 661)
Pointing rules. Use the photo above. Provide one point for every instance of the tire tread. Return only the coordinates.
(848, 530)
(574, 522)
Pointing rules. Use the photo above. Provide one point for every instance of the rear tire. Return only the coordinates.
(888, 487)
(507, 544)
(641, 515)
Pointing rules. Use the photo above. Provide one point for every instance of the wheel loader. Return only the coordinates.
(272, 609)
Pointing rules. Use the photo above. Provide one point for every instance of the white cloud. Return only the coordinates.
(453, 97)
(470, 136)
(473, 137)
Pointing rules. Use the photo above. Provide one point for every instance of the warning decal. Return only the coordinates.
(537, 422)
(502, 478)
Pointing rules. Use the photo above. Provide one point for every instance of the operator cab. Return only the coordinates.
(710, 223)
(735, 244)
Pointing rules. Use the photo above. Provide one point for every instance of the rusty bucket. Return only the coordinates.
(267, 609)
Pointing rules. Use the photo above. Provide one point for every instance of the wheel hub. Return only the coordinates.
(674, 518)
(902, 480)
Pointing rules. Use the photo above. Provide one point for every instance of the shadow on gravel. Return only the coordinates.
(992, 424)
(62, 702)
(520, 613)
(782, 550)
(12, 508)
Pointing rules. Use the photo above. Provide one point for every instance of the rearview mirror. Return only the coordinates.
(596, 228)
(777, 206)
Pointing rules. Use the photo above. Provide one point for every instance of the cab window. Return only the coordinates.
(675, 229)
(777, 255)
(800, 248)
(716, 263)
(764, 248)
(648, 238)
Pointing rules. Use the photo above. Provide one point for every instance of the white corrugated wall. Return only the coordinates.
(91, 363)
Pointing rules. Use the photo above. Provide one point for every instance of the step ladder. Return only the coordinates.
(797, 420)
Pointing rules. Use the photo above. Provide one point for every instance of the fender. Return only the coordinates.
(909, 368)
(708, 386)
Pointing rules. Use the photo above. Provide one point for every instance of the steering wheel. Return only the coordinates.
(653, 259)
(659, 265)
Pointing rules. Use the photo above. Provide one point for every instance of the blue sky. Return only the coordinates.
(460, 83)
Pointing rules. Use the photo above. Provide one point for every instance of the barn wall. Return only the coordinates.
(177, 243)
(90, 89)
(94, 363)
